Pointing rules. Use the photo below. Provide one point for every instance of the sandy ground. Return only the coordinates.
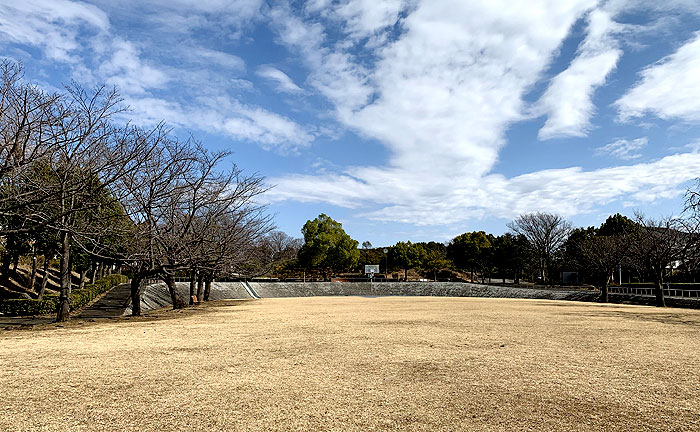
(353, 363)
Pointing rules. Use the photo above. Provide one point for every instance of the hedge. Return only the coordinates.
(49, 304)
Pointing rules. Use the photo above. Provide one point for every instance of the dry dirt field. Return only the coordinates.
(353, 363)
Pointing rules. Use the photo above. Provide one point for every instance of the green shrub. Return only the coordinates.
(24, 307)
(49, 304)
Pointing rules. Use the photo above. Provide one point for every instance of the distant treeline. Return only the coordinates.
(540, 247)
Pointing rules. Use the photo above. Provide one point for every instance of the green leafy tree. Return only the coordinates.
(470, 251)
(407, 255)
(327, 247)
(509, 255)
(435, 258)
(617, 225)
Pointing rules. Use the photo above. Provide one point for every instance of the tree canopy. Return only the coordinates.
(470, 251)
(327, 246)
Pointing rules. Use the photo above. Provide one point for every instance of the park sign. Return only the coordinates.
(371, 269)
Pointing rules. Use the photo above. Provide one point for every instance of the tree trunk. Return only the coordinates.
(81, 284)
(15, 263)
(405, 275)
(6, 263)
(200, 286)
(207, 288)
(659, 290)
(93, 271)
(136, 295)
(45, 279)
(604, 290)
(63, 313)
(193, 283)
(32, 277)
(178, 301)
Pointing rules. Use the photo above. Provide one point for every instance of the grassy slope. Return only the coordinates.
(20, 281)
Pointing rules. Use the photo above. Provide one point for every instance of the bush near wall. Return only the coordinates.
(49, 304)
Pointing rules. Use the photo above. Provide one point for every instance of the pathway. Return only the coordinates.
(113, 304)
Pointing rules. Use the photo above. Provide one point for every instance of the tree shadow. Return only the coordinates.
(615, 310)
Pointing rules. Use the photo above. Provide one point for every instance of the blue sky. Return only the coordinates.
(403, 119)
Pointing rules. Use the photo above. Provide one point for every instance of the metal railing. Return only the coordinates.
(669, 291)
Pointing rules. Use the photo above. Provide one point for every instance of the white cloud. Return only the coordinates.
(52, 25)
(129, 72)
(334, 74)
(284, 83)
(443, 94)
(668, 89)
(363, 18)
(317, 5)
(567, 191)
(199, 82)
(623, 149)
(567, 101)
(209, 57)
(225, 116)
(447, 88)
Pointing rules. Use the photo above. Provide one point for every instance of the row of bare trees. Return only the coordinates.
(651, 247)
(75, 179)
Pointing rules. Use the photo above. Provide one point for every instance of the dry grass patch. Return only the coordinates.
(352, 363)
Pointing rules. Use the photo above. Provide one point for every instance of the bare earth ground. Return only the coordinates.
(353, 363)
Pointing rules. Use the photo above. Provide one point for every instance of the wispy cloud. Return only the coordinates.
(668, 89)
(623, 148)
(203, 83)
(364, 18)
(567, 102)
(51, 25)
(440, 100)
(334, 73)
(281, 79)
(569, 192)
(127, 70)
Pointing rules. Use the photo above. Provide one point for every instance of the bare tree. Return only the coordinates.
(60, 168)
(602, 255)
(545, 232)
(28, 117)
(179, 202)
(282, 247)
(655, 245)
(239, 245)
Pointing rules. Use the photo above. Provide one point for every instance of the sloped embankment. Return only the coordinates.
(157, 296)
(441, 289)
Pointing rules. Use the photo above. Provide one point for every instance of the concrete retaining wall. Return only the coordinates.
(443, 289)
(156, 295)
